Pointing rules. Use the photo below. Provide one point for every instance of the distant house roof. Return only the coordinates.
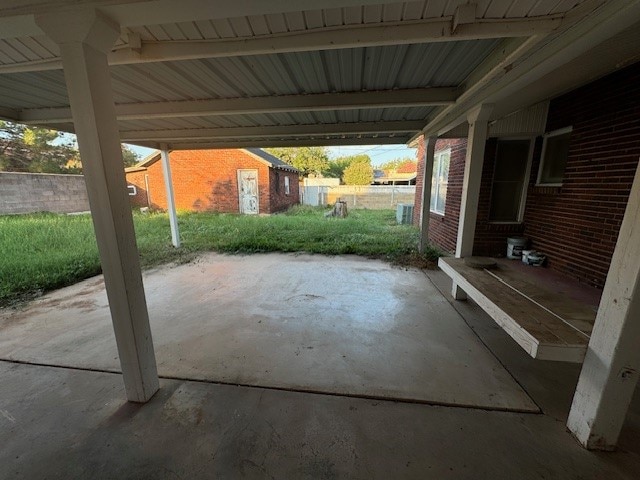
(394, 178)
(261, 155)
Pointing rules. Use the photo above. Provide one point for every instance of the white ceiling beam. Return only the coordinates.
(273, 131)
(413, 97)
(351, 36)
(367, 35)
(283, 142)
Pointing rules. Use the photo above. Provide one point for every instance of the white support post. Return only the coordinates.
(427, 174)
(610, 370)
(171, 203)
(474, 160)
(84, 43)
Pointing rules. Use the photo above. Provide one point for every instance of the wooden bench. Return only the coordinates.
(547, 325)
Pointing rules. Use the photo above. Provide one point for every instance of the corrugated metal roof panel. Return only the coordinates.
(37, 48)
(249, 26)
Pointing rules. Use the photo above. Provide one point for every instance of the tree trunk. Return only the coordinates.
(339, 210)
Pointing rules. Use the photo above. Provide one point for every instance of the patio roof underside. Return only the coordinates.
(361, 74)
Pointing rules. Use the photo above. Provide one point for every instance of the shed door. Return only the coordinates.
(248, 191)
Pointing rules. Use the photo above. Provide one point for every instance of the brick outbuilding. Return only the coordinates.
(221, 180)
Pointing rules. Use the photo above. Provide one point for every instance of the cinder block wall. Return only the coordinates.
(42, 192)
(371, 197)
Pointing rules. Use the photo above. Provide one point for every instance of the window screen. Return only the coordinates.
(554, 158)
(439, 181)
(512, 157)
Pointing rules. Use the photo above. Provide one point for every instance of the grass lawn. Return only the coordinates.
(41, 252)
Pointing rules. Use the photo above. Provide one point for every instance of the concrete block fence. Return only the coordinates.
(42, 192)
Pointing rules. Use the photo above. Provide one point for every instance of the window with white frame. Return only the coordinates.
(555, 152)
(286, 186)
(439, 181)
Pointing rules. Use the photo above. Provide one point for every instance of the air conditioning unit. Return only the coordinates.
(404, 213)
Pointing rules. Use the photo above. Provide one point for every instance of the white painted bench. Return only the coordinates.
(548, 326)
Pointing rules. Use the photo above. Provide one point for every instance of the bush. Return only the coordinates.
(358, 173)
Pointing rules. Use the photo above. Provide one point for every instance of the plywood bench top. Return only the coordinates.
(547, 325)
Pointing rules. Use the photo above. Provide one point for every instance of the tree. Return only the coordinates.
(32, 149)
(339, 164)
(309, 160)
(129, 157)
(40, 150)
(409, 166)
(395, 163)
(358, 173)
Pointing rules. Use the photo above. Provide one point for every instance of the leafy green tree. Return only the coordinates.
(32, 149)
(40, 150)
(339, 164)
(309, 160)
(358, 173)
(129, 157)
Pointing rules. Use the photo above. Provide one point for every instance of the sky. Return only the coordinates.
(379, 154)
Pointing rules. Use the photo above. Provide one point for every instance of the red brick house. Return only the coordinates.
(233, 181)
(565, 188)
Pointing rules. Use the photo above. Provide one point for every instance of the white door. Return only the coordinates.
(248, 191)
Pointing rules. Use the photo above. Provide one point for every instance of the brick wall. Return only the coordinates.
(207, 180)
(577, 225)
(443, 229)
(137, 179)
(42, 192)
(279, 199)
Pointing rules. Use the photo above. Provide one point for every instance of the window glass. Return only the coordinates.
(512, 157)
(439, 181)
(286, 185)
(554, 158)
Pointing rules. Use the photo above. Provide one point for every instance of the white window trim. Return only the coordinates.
(525, 185)
(554, 133)
(287, 188)
(436, 156)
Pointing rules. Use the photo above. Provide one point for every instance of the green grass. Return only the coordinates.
(41, 252)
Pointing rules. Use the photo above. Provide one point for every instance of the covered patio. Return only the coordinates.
(198, 74)
(439, 391)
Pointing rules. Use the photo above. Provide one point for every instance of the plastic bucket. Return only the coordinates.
(515, 245)
(525, 255)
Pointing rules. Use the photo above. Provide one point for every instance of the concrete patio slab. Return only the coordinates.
(64, 424)
(339, 325)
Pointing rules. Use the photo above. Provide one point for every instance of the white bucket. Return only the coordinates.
(515, 245)
(525, 255)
